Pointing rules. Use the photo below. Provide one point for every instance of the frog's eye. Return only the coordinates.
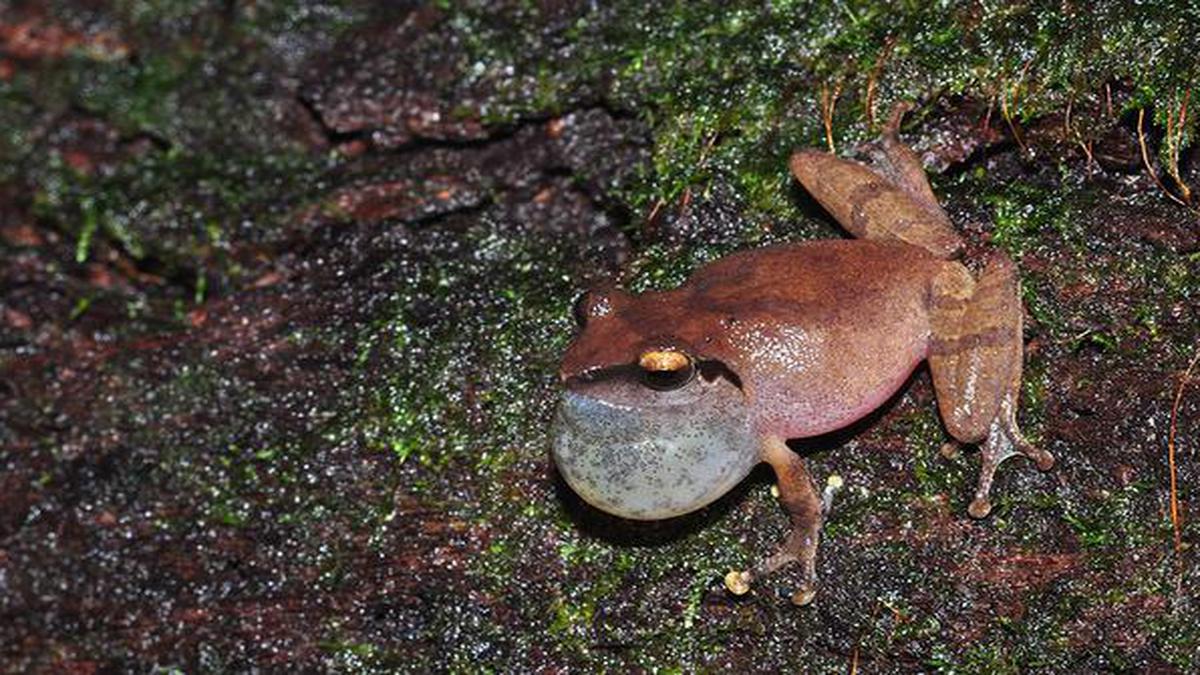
(667, 369)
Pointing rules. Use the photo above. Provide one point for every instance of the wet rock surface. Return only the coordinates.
(281, 302)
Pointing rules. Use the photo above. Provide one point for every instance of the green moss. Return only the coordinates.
(730, 90)
(1023, 213)
(457, 402)
(1114, 521)
(935, 475)
(986, 657)
(1035, 386)
(17, 114)
(210, 178)
(186, 211)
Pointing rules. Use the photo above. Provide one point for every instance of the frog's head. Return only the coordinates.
(648, 426)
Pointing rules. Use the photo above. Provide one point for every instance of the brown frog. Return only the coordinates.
(672, 397)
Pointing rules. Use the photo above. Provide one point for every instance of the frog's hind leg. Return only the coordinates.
(975, 358)
(889, 200)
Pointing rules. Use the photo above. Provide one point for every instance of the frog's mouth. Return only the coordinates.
(647, 446)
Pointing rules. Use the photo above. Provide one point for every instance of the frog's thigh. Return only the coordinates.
(975, 349)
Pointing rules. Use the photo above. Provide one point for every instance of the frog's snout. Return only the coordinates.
(674, 453)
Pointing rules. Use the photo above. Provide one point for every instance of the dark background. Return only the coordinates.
(283, 286)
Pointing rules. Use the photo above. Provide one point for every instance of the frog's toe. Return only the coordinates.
(1043, 459)
(804, 596)
(950, 449)
(980, 507)
(832, 485)
(998, 447)
(738, 582)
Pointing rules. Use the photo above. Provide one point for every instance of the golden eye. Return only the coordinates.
(667, 369)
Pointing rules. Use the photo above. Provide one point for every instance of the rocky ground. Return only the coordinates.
(283, 287)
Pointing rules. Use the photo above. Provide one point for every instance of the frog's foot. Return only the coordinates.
(805, 509)
(891, 199)
(792, 550)
(975, 358)
(1004, 440)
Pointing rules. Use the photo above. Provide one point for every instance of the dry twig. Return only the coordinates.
(1176, 130)
(873, 80)
(1016, 98)
(829, 99)
(1071, 132)
(1146, 158)
(1176, 518)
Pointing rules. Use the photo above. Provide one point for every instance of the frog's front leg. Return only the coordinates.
(804, 507)
(975, 357)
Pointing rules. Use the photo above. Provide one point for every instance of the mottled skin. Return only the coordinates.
(794, 341)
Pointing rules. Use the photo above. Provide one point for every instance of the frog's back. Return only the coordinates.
(822, 332)
(820, 274)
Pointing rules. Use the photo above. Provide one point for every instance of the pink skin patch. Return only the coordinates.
(783, 411)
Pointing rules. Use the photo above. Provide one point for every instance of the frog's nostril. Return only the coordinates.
(597, 303)
(581, 308)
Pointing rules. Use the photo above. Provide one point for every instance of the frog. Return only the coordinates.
(670, 398)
